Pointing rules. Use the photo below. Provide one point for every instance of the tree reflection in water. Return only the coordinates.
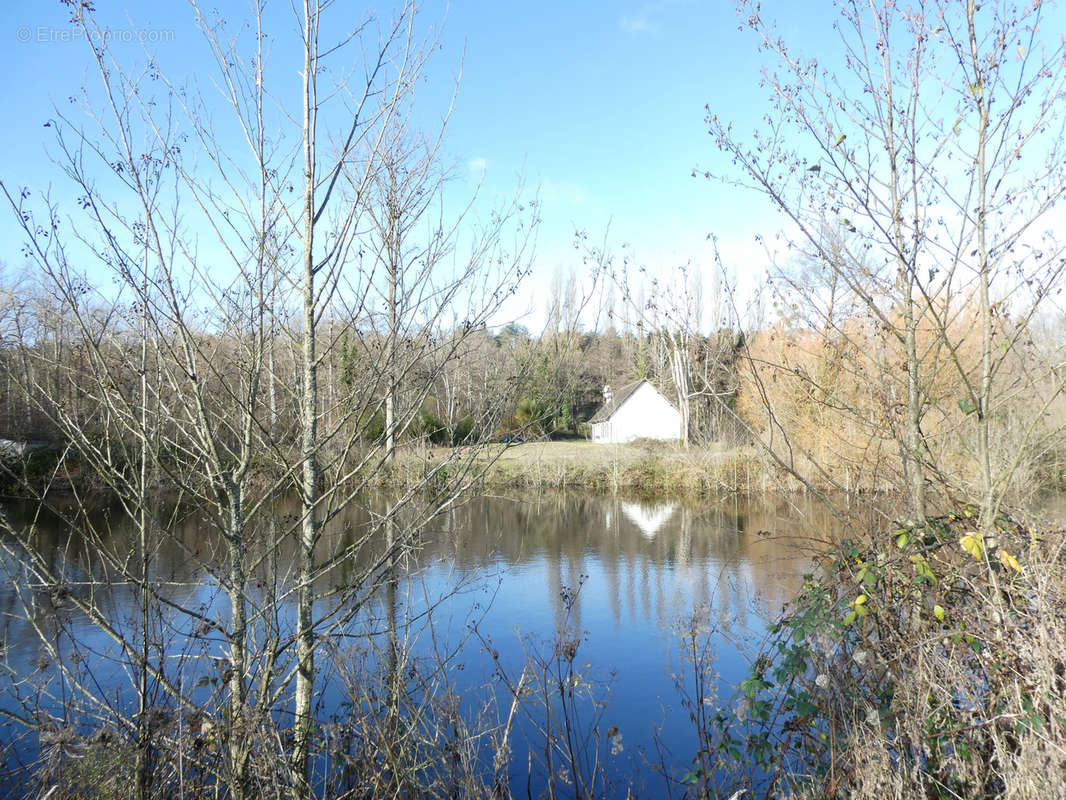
(524, 569)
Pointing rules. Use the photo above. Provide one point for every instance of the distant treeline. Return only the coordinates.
(828, 400)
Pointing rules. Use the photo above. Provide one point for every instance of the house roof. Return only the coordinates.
(618, 398)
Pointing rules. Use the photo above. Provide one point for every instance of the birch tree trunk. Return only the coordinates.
(309, 524)
(680, 371)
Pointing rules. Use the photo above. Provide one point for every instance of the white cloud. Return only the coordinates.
(478, 167)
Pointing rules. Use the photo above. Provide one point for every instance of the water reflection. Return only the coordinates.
(642, 561)
(637, 563)
(624, 571)
(648, 517)
(642, 567)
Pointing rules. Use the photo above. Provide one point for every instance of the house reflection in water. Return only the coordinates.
(649, 517)
(657, 561)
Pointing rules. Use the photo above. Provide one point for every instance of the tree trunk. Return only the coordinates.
(144, 744)
(984, 443)
(679, 368)
(305, 635)
(912, 464)
(393, 243)
(238, 699)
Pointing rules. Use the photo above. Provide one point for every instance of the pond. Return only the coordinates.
(492, 589)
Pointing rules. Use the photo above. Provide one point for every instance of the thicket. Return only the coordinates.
(928, 661)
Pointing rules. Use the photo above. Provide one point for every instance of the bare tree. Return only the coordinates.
(410, 240)
(696, 337)
(933, 154)
(218, 267)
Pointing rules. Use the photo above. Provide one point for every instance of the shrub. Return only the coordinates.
(461, 433)
(929, 663)
(374, 428)
(432, 427)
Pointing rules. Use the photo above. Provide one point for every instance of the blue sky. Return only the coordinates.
(602, 106)
(599, 106)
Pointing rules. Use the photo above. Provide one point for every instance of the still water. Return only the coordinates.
(501, 579)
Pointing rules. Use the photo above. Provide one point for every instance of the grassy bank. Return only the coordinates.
(643, 467)
(660, 469)
(654, 468)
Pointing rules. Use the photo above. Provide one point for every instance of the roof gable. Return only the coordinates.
(619, 399)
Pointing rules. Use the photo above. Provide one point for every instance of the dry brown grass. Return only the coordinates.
(643, 466)
(648, 467)
(833, 404)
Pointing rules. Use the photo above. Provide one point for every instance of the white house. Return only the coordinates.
(636, 411)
